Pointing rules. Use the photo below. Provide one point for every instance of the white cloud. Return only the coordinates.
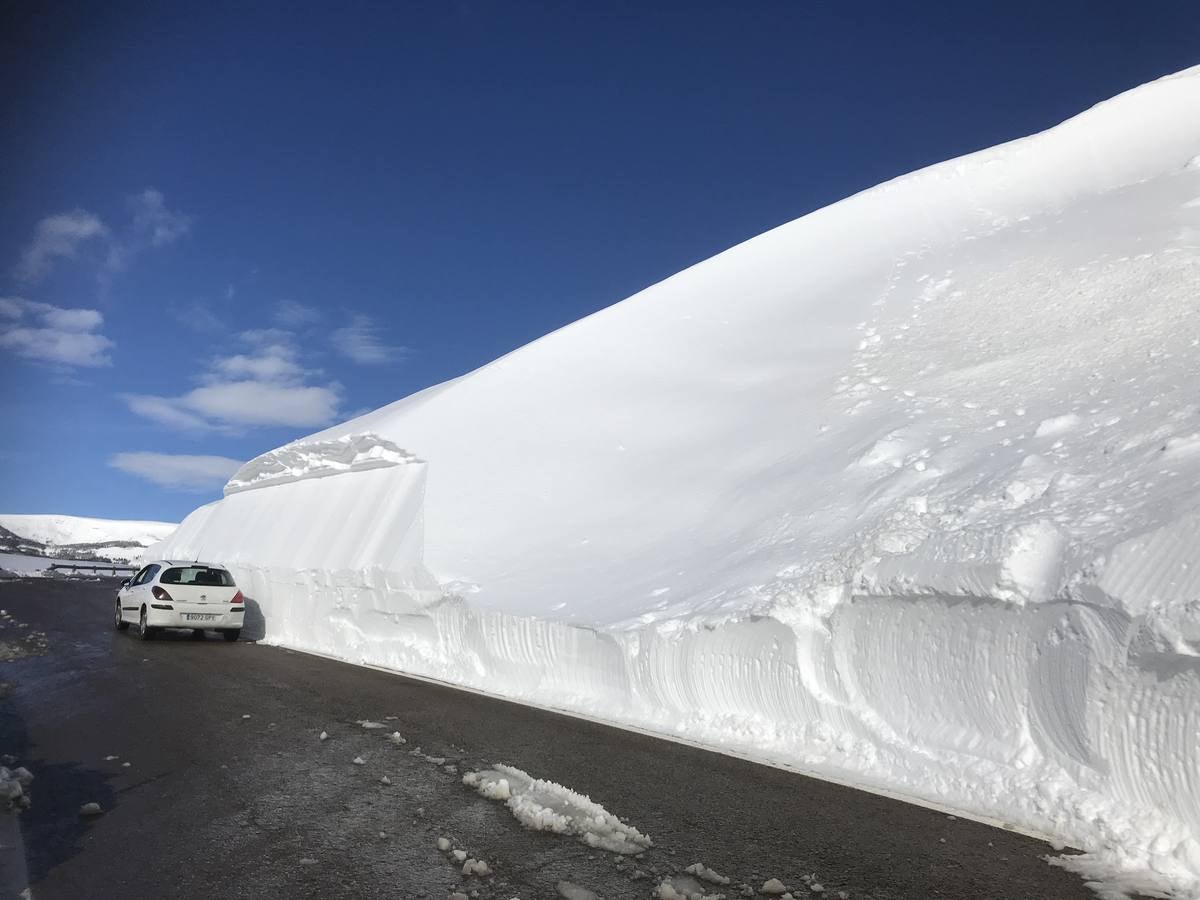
(293, 315)
(178, 471)
(53, 334)
(166, 411)
(359, 341)
(264, 386)
(152, 225)
(263, 403)
(58, 237)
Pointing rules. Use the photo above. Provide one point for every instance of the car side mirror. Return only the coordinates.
(125, 583)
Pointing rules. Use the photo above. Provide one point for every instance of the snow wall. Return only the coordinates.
(905, 493)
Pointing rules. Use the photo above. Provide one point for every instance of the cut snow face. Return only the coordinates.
(916, 509)
(546, 806)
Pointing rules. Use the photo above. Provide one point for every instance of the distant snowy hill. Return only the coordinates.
(904, 493)
(75, 537)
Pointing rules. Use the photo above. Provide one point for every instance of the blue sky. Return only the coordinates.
(229, 225)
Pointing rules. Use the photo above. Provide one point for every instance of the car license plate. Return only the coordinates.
(199, 617)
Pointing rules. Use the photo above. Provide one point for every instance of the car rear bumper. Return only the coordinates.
(192, 615)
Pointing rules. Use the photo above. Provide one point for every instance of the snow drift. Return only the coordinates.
(905, 492)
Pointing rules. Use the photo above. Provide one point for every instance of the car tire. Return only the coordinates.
(145, 632)
(120, 623)
(232, 635)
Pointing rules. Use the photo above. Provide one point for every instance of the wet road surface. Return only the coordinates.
(229, 792)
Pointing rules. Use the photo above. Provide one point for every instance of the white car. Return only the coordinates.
(195, 595)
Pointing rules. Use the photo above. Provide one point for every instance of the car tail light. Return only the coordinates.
(238, 599)
(160, 594)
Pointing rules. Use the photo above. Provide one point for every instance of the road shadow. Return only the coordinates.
(51, 828)
(254, 624)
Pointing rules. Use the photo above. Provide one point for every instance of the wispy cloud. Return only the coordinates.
(291, 314)
(178, 471)
(152, 224)
(359, 341)
(58, 237)
(61, 236)
(53, 334)
(266, 385)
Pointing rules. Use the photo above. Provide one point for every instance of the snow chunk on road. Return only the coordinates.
(684, 887)
(704, 872)
(547, 806)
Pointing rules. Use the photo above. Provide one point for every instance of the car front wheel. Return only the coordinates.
(120, 623)
(145, 632)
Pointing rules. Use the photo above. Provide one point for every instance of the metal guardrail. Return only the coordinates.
(98, 568)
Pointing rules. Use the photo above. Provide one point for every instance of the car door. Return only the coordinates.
(126, 596)
(138, 592)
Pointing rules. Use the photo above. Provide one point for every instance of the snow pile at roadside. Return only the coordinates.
(904, 493)
(547, 806)
(118, 540)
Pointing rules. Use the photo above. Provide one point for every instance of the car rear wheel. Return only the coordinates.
(145, 632)
(231, 635)
(121, 624)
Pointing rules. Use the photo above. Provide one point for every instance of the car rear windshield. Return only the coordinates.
(197, 575)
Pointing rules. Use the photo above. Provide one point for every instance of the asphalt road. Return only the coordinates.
(215, 804)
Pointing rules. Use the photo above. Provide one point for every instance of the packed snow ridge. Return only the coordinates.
(904, 493)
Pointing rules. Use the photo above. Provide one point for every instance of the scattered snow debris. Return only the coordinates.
(547, 806)
(369, 725)
(843, 895)
(459, 895)
(307, 861)
(90, 809)
(111, 758)
(13, 785)
(459, 855)
(817, 888)
(476, 867)
(704, 872)
(436, 760)
(324, 736)
(384, 780)
(245, 715)
(569, 891)
(395, 738)
(683, 887)
(420, 811)
(773, 886)
(359, 761)
(390, 718)
(443, 844)
(125, 765)
(451, 770)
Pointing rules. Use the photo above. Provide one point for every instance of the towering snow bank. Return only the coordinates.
(905, 492)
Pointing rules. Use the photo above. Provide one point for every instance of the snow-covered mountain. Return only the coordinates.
(75, 537)
(905, 493)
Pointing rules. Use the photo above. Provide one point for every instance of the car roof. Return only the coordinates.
(194, 563)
